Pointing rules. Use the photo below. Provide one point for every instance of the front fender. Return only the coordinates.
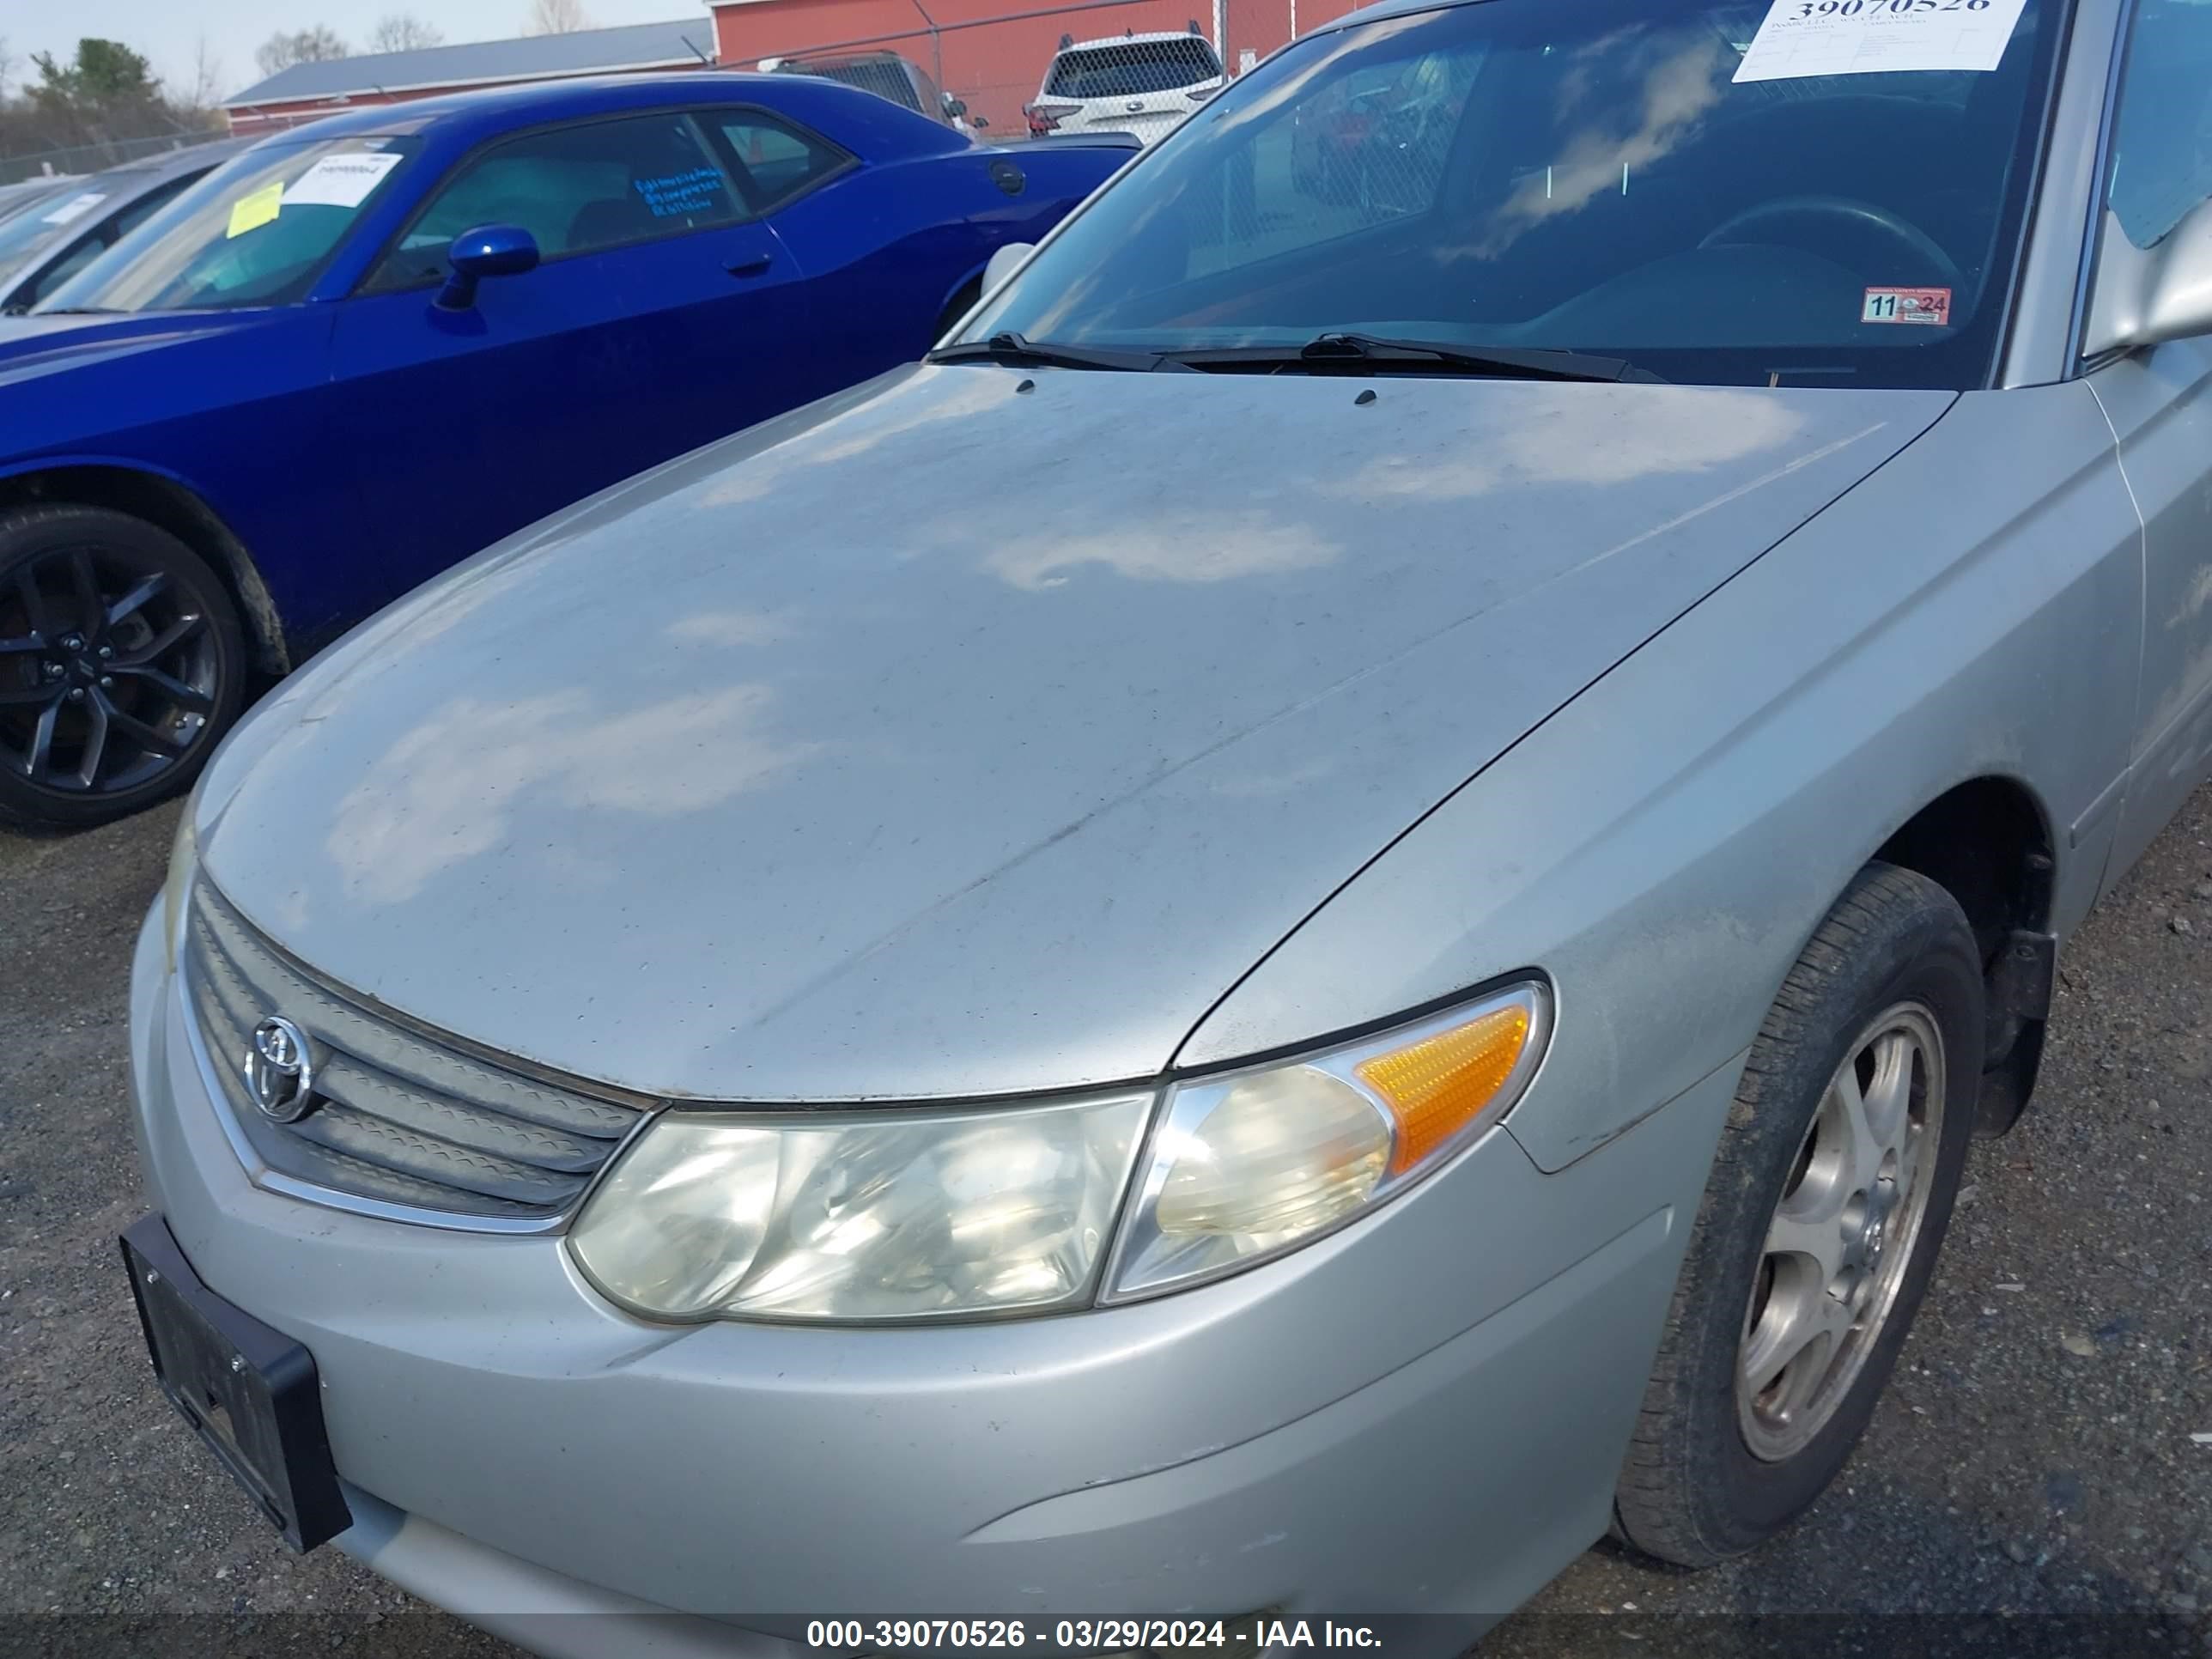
(1665, 844)
(178, 504)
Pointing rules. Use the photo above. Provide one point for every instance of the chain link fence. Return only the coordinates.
(91, 158)
(1138, 66)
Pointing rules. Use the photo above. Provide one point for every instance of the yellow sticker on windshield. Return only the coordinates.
(251, 212)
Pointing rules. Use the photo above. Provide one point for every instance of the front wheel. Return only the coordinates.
(1819, 1226)
(121, 663)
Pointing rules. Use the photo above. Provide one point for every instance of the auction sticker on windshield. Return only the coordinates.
(252, 211)
(340, 180)
(1930, 307)
(1802, 38)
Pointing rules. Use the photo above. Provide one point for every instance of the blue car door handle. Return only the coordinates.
(748, 264)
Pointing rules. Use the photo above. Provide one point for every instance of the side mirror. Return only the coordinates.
(979, 122)
(955, 107)
(1004, 262)
(487, 251)
(2147, 297)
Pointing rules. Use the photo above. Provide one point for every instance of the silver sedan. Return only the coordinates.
(1327, 910)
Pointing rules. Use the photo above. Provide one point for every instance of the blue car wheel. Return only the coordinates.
(121, 663)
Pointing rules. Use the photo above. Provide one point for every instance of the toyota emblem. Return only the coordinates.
(280, 1071)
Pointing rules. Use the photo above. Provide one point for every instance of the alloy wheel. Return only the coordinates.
(1841, 1239)
(108, 670)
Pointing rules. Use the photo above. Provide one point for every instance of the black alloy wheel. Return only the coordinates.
(121, 662)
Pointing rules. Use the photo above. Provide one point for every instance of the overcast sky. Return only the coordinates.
(170, 33)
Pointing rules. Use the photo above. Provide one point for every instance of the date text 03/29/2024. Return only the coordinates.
(1101, 1635)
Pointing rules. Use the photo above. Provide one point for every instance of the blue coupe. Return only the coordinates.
(365, 348)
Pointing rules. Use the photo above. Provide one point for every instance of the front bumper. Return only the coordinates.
(540, 1611)
(1424, 1412)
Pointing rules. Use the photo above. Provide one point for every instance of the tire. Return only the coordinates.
(1892, 982)
(122, 664)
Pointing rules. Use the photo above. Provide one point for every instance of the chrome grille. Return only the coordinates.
(400, 1117)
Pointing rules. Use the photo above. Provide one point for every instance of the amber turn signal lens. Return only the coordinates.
(1437, 1086)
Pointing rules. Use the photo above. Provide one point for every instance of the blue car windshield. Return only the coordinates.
(255, 231)
(1824, 192)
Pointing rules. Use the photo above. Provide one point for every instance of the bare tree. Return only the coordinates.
(318, 44)
(558, 17)
(7, 66)
(205, 88)
(403, 31)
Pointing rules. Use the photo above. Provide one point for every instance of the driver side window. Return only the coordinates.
(576, 189)
(2162, 137)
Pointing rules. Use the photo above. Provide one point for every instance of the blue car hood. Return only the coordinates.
(972, 733)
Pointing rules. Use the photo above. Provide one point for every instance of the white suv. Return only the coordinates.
(1136, 84)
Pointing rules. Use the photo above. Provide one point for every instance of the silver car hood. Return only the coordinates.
(972, 733)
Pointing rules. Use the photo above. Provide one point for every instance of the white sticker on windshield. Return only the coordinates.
(1804, 37)
(74, 209)
(339, 180)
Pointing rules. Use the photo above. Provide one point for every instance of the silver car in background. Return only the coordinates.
(66, 229)
(873, 1022)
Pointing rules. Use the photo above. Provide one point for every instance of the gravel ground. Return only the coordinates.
(2030, 1483)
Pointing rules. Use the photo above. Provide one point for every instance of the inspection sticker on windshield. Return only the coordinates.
(74, 209)
(1801, 38)
(251, 212)
(1930, 307)
(339, 180)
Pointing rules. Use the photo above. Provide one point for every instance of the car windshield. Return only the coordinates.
(1688, 186)
(256, 232)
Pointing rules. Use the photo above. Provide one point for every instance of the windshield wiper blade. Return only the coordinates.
(1370, 351)
(1010, 348)
(83, 311)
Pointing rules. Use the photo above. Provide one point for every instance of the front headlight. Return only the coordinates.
(878, 1216)
(183, 856)
(1246, 1165)
(971, 1212)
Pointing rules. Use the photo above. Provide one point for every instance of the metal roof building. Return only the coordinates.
(307, 91)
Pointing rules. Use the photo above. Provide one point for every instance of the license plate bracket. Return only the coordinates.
(251, 1393)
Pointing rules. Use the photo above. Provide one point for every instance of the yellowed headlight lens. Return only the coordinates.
(1285, 1152)
(1245, 1165)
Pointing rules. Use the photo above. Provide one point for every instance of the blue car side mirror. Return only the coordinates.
(487, 251)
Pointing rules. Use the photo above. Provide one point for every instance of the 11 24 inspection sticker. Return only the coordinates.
(1930, 307)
